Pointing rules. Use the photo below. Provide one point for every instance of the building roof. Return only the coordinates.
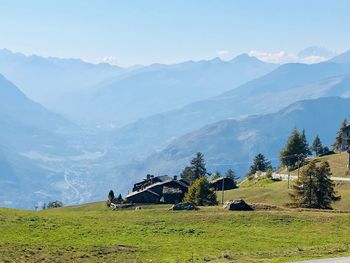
(220, 179)
(143, 191)
(148, 188)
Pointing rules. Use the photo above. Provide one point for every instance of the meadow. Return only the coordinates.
(95, 233)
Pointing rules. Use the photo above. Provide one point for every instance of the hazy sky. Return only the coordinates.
(143, 32)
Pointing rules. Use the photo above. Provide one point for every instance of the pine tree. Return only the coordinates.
(325, 193)
(199, 193)
(315, 188)
(120, 198)
(305, 143)
(232, 175)
(198, 166)
(111, 195)
(260, 163)
(196, 169)
(317, 146)
(296, 149)
(304, 191)
(339, 144)
(187, 174)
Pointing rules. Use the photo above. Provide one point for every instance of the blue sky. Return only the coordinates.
(147, 31)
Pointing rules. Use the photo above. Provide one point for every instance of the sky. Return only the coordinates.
(133, 32)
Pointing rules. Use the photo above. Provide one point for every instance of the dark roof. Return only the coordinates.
(163, 178)
(220, 179)
(148, 188)
(140, 192)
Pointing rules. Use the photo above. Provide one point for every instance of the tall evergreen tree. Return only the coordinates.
(231, 174)
(325, 193)
(315, 188)
(295, 149)
(317, 146)
(198, 165)
(339, 145)
(305, 143)
(111, 195)
(187, 174)
(196, 169)
(260, 163)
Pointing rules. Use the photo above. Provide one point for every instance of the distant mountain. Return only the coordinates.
(234, 143)
(285, 85)
(25, 123)
(55, 83)
(342, 58)
(315, 51)
(160, 88)
(30, 132)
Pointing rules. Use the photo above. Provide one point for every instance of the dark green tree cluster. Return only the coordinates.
(261, 164)
(315, 188)
(196, 169)
(318, 148)
(296, 149)
(199, 193)
(112, 199)
(340, 144)
(54, 204)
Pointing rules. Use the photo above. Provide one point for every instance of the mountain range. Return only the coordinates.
(151, 119)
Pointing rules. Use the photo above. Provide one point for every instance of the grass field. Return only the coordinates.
(94, 233)
(276, 193)
(338, 163)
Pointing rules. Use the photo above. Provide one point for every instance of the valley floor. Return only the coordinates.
(94, 233)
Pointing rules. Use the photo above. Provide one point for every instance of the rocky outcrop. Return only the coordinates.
(237, 205)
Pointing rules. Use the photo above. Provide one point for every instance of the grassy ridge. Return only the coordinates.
(93, 233)
(276, 193)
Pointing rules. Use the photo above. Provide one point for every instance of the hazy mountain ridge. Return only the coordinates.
(234, 143)
(53, 81)
(159, 88)
(285, 85)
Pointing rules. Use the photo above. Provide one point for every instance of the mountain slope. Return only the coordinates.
(160, 88)
(285, 85)
(28, 129)
(54, 81)
(25, 123)
(234, 143)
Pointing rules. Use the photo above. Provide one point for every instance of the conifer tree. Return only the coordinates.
(295, 150)
(317, 146)
(111, 195)
(260, 163)
(315, 188)
(232, 175)
(339, 144)
(196, 169)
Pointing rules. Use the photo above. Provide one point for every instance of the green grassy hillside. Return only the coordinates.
(94, 233)
(276, 193)
(338, 163)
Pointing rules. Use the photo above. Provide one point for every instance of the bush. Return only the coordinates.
(199, 193)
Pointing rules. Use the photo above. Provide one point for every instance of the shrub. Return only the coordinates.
(200, 193)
